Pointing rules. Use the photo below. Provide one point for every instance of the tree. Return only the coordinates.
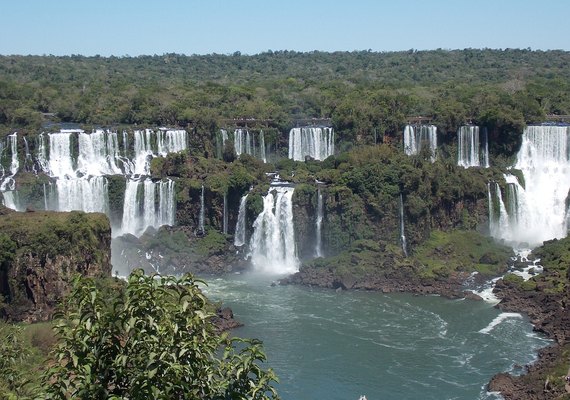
(155, 339)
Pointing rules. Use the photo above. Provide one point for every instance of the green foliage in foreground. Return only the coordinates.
(14, 382)
(155, 340)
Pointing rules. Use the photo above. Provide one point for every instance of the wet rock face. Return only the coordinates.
(48, 250)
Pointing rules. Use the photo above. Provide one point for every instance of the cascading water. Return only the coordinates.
(143, 152)
(538, 212)
(498, 218)
(221, 140)
(262, 155)
(470, 152)
(83, 194)
(314, 142)
(242, 141)
(402, 231)
(98, 153)
(239, 236)
(225, 216)
(81, 183)
(202, 213)
(319, 225)
(171, 141)
(417, 137)
(142, 208)
(8, 183)
(272, 246)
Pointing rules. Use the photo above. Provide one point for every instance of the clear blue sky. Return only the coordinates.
(135, 27)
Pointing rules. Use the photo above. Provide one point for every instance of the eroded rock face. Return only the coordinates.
(41, 252)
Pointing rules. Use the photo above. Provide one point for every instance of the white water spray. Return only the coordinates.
(273, 241)
(314, 142)
(418, 137)
(538, 212)
(239, 236)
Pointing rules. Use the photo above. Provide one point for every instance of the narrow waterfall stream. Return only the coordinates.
(201, 218)
(402, 230)
(319, 225)
(239, 236)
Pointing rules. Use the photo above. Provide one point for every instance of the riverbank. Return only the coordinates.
(545, 299)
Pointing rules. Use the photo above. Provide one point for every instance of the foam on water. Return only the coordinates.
(498, 320)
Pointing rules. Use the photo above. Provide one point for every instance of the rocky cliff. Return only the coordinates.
(41, 252)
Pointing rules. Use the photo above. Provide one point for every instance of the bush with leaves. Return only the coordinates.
(15, 372)
(153, 340)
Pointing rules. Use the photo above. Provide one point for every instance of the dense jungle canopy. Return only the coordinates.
(365, 94)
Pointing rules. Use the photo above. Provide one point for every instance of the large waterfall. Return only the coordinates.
(314, 142)
(539, 210)
(272, 245)
(472, 147)
(418, 137)
(79, 164)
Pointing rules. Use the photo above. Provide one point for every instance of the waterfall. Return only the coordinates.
(486, 148)
(221, 142)
(239, 236)
(540, 212)
(319, 225)
(273, 242)
(202, 213)
(402, 231)
(98, 152)
(10, 200)
(225, 216)
(242, 141)
(42, 156)
(262, 154)
(83, 194)
(171, 141)
(81, 182)
(142, 208)
(143, 152)
(8, 183)
(84, 188)
(469, 151)
(14, 163)
(28, 160)
(315, 142)
(416, 137)
(60, 161)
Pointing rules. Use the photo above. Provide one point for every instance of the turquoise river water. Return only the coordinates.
(333, 345)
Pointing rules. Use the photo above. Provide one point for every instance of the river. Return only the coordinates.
(325, 344)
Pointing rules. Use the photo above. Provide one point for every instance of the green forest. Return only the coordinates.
(369, 188)
(367, 95)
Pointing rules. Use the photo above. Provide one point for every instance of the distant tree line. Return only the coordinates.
(366, 94)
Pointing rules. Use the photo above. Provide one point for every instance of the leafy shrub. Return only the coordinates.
(154, 340)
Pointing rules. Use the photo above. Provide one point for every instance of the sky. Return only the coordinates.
(145, 27)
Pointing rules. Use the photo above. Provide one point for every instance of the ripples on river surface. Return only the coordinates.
(331, 345)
